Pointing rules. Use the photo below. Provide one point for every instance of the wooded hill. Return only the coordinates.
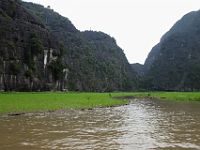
(42, 50)
(174, 63)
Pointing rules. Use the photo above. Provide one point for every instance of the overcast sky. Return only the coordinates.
(137, 25)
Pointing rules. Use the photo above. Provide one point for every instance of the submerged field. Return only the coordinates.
(36, 102)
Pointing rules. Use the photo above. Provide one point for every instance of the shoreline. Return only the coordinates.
(59, 111)
(52, 102)
(16, 104)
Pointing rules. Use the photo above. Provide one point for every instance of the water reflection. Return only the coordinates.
(144, 124)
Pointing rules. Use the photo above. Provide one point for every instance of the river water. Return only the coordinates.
(142, 125)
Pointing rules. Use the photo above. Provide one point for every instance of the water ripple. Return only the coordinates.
(144, 124)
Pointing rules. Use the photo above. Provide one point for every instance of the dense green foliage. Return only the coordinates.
(56, 68)
(33, 49)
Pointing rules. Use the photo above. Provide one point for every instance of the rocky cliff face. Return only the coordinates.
(174, 64)
(25, 42)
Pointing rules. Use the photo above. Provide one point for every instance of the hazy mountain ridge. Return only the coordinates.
(174, 64)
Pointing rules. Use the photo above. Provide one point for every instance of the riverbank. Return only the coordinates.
(176, 96)
(15, 103)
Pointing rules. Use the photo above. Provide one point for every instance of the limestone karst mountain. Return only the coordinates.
(174, 63)
(41, 50)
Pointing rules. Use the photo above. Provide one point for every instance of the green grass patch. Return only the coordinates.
(32, 102)
(49, 101)
(177, 96)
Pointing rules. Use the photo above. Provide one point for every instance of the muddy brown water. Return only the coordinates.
(142, 125)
